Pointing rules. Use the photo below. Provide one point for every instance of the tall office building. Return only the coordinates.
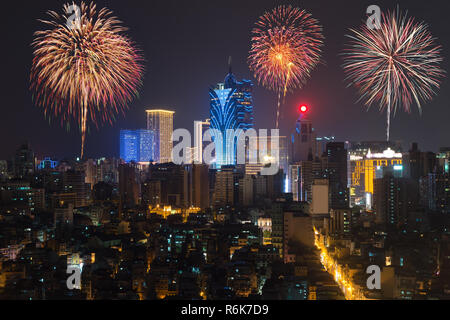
(225, 186)
(161, 123)
(320, 198)
(200, 186)
(363, 167)
(304, 144)
(336, 172)
(24, 161)
(128, 186)
(419, 164)
(302, 176)
(231, 109)
(246, 194)
(137, 145)
(264, 153)
(394, 198)
(435, 192)
(321, 144)
(74, 182)
(200, 128)
(151, 193)
(173, 186)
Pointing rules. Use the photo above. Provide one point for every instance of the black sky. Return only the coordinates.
(187, 44)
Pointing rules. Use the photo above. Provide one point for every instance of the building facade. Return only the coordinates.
(137, 145)
(231, 110)
(161, 123)
(200, 129)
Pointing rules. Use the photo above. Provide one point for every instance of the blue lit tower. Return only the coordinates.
(137, 145)
(231, 109)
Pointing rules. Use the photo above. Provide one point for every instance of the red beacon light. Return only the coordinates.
(304, 109)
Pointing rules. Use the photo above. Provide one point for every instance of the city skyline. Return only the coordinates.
(258, 180)
(191, 100)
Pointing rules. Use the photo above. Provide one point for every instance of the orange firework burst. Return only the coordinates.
(84, 68)
(286, 47)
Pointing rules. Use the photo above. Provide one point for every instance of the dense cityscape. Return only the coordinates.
(141, 227)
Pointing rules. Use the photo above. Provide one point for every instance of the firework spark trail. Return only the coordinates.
(286, 40)
(394, 66)
(87, 70)
(286, 47)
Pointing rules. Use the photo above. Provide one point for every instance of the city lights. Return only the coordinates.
(304, 109)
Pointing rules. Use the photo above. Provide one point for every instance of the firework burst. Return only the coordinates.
(395, 66)
(84, 67)
(286, 47)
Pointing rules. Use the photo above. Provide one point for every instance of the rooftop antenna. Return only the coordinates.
(230, 60)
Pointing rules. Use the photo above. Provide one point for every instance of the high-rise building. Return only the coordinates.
(295, 181)
(91, 173)
(75, 182)
(137, 145)
(231, 109)
(364, 164)
(304, 141)
(302, 176)
(20, 192)
(108, 170)
(161, 123)
(339, 221)
(394, 198)
(443, 160)
(246, 194)
(200, 186)
(336, 172)
(24, 161)
(200, 128)
(151, 193)
(128, 186)
(225, 186)
(264, 153)
(435, 192)
(276, 213)
(320, 198)
(174, 184)
(418, 164)
(321, 144)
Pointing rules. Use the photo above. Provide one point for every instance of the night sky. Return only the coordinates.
(187, 45)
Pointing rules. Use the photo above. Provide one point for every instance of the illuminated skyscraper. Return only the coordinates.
(231, 110)
(365, 167)
(161, 122)
(200, 128)
(137, 145)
